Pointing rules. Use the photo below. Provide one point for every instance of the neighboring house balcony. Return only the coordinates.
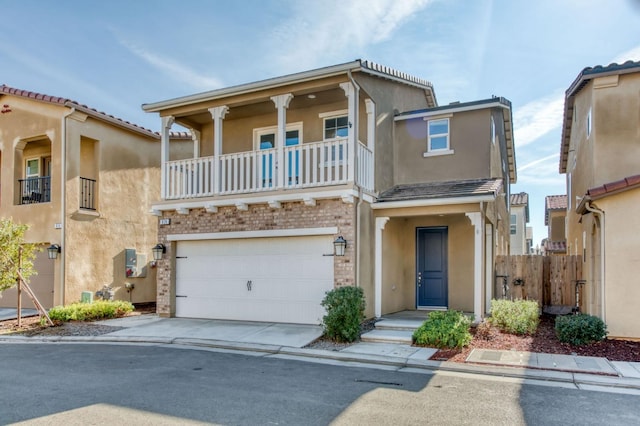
(263, 151)
(34, 190)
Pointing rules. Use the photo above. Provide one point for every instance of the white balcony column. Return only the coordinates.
(371, 124)
(380, 224)
(195, 137)
(217, 113)
(165, 135)
(477, 220)
(282, 103)
(488, 242)
(352, 93)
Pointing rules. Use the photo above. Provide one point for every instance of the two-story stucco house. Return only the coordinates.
(519, 217)
(599, 155)
(555, 217)
(289, 168)
(83, 181)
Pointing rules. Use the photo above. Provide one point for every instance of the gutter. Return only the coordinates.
(433, 202)
(587, 205)
(63, 202)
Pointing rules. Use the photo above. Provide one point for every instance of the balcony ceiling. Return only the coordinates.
(266, 106)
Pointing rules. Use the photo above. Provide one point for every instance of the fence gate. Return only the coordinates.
(551, 280)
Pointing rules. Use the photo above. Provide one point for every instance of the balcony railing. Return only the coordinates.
(305, 166)
(35, 190)
(87, 194)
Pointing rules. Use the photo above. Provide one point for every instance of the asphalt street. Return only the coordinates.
(146, 384)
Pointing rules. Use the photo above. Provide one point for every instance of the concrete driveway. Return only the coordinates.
(12, 313)
(291, 335)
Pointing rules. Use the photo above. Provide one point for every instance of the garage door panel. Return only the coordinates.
(289, 278)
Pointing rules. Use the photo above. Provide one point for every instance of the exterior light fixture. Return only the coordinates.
(53, 251)
(158, 250)
(339, 246)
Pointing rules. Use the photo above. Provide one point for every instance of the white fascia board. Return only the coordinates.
(255, 86)
(452, 110)
(271, 233)
(265, 199)
(433, 202)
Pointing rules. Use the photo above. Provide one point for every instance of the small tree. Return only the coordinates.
(15, 254)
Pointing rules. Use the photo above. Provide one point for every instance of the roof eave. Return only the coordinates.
(429, 202)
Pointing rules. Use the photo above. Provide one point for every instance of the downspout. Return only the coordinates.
(600, 213)
(63, 203)
(355, 149)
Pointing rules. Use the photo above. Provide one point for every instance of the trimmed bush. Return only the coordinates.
(515, 316)
(580, 329)
(102, 309)
(345, 312)
(444, 329)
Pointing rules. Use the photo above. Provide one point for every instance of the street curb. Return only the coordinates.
(516, 372)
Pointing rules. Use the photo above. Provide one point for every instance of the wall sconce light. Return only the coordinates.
(53, 251)
(158, 250)
(339, 246)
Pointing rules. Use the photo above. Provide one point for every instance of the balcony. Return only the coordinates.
(35, 190)
(87, 194)
(309, 165)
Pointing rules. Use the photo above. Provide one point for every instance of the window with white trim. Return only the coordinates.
(589, 123)
(514, 224)
(336, 127)
(493, 131)
(438, 137)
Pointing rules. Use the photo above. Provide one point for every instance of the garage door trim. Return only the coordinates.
(296, 232)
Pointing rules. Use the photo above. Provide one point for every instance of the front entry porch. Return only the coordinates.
(397, 327)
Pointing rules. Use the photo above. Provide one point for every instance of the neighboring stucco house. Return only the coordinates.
(288, 167)
(83, 181)
(518, 224)
(600, 155)
(555, 216)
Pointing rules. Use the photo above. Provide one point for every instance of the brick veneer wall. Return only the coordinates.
(259, 217)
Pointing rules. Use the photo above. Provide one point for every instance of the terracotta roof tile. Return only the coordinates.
(616, 186)
(430, 190)
(555, 246)
(555, 202)
(4, 89)
(519, 199)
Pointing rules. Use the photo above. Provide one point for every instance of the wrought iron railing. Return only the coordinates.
(87, 194)
(35, 190)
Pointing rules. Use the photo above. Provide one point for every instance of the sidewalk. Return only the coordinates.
(288, 341)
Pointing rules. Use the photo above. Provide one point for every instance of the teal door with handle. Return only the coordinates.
(431, 267)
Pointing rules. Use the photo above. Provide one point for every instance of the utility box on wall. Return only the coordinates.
(131, 262)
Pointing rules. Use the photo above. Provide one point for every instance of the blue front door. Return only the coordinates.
(431, 267)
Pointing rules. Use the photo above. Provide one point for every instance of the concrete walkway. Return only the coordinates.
(289, 341)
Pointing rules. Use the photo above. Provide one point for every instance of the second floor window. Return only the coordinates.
(336, 127)
(438, 135)
(514, 224)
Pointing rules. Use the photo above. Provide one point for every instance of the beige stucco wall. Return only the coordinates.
(622, 267)
(472, 156)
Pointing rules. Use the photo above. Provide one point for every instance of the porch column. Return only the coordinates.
(380, 224)
(282, 103)
(371, 124)
(478, 232)
(165, 134)
(351, 91)
(195, 137)
(217, 113)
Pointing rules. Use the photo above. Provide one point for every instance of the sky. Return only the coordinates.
(116, 55)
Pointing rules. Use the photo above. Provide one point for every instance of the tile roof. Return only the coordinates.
(553, 202)
(6, 90)
(555, 246)
(458, 188)
(519, 199)
(585, 76)
(614, 187)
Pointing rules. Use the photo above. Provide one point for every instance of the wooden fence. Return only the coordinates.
(551, 280)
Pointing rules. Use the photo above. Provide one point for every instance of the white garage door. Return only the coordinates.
(258, 279)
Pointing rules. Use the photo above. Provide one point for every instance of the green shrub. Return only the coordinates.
(580, 329)
(515, 316)
(345, 312)
(102, 309)
(444, 329)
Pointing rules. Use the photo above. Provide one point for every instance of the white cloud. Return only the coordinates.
(537, 118)
(324, 31)
(632, 54)
(171, 67)
(538, 161)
